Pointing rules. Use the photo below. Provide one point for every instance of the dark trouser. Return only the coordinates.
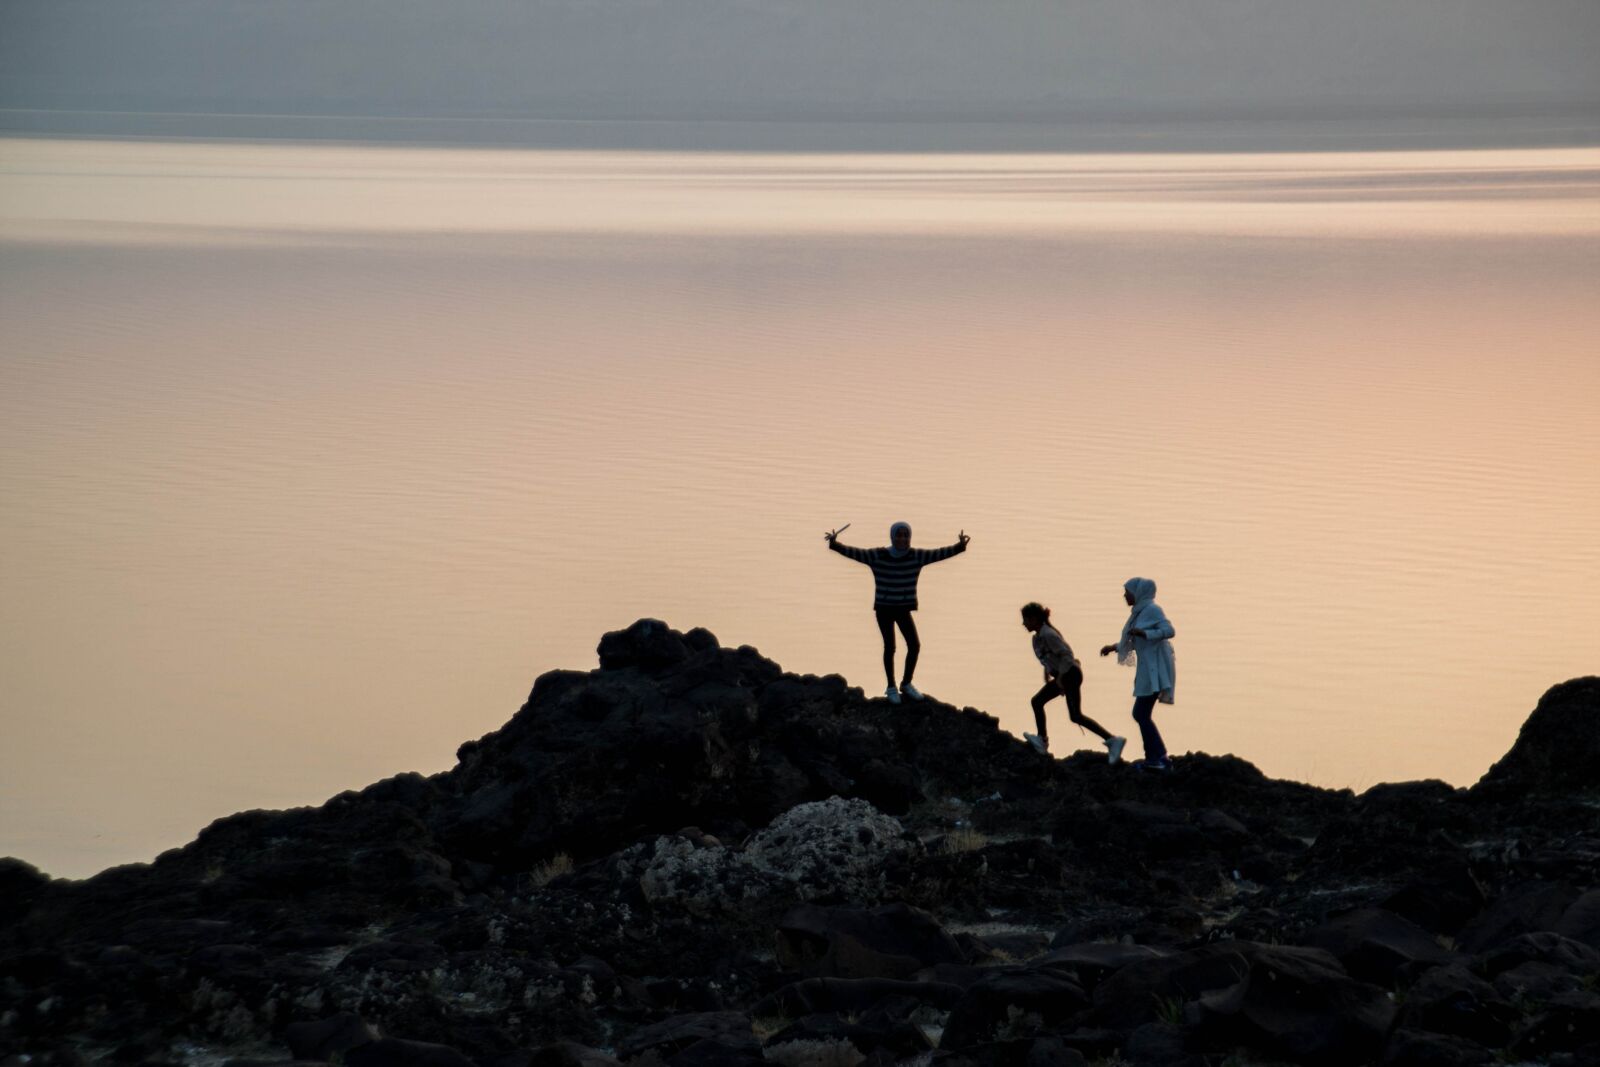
(1069, 685)
(1144, 710)
(888, 618)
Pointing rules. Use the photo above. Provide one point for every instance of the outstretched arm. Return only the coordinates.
(860, 555)
(934, 555)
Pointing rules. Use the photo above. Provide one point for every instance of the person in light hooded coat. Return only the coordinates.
(1146, 645)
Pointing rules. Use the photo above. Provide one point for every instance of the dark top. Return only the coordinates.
(896, 578)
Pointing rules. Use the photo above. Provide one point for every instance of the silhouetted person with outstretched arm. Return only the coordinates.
(1063, 677)
(1146, 646)
(894, 572)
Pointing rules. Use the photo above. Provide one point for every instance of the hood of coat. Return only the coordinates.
(895, 551)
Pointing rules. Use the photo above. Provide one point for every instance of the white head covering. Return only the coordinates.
(1144, 594)
(896, 528)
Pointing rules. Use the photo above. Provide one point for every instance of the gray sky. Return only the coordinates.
(788, 58)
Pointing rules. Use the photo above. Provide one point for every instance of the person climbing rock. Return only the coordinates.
(1063, 677)
(1146, 646)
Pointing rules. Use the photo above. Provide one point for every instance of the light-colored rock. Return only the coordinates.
(824, 847)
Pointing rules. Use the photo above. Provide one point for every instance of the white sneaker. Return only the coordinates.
(892, 695)
(911, 691)
(1039, 744)
(1114, 747)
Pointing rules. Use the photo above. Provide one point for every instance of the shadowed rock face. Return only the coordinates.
(1558, 750)
(688, 856)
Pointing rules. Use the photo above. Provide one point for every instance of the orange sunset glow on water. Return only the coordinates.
(313, 457)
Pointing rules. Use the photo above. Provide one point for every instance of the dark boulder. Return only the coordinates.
(1557, 749)
(1440, 900)
(1524, 908)
(1139, 991)
(1581, 921)
(325, 1038)
(649, 645)
(1573, 957)
(1096, 960)
(1452, 1000)
(1049, 1050)
(1376, 945)
(1297, 1003)
(1570, 1024)
(20, 884)
(1161, 1045)
(1014, 999)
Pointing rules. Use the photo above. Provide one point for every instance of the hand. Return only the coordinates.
(962, 539)
(1107, 650)
(830, 536)
(1136, 632)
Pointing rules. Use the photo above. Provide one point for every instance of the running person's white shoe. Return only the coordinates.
(911, 691)
(892, 695)
(1114, 747)
(1040, 745)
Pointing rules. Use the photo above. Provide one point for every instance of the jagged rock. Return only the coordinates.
(1558, 747)
(894, 941)
(649, 644)
(618, 850)
(832, 848)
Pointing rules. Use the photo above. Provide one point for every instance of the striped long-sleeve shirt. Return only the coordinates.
(896, 577)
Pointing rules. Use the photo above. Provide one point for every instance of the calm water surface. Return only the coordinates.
(313, 457)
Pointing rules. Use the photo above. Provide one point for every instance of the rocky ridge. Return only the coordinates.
(688, 857)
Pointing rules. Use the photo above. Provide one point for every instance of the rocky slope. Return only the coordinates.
(688, 857)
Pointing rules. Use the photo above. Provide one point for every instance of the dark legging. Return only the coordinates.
(1069, 685)
(888, 618)
(1144, 710)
